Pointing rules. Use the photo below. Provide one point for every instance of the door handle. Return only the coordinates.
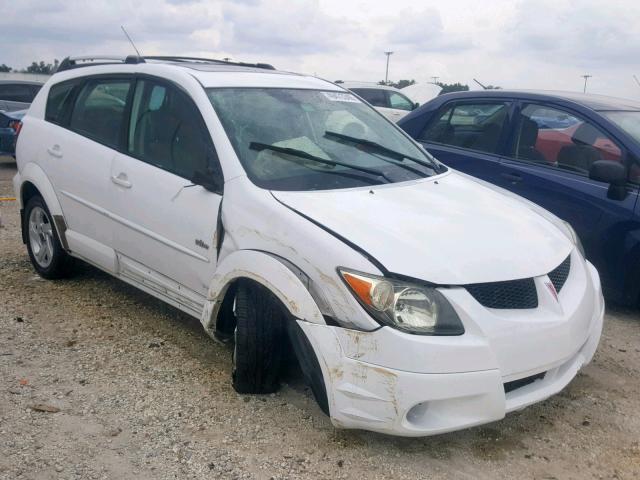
(121, 180)
(512, 177)
(55, 151)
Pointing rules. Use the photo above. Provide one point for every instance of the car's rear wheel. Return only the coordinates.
(43, 245)
(260, 346)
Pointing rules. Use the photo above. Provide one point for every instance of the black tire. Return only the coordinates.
(260, 345)
(61, 263)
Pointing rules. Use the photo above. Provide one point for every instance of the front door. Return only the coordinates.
(166, 229)
(549, 164)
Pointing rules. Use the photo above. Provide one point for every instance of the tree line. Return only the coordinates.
(35, 67)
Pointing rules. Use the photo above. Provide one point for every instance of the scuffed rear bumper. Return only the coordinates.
(364, 394)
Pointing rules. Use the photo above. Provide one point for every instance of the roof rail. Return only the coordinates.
(180, 58)
(70, 63)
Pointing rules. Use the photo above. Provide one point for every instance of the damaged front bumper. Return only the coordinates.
(408, 385)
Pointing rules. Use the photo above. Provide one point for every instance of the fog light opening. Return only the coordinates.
(416, 414)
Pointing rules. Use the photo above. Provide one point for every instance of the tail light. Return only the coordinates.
(16, 126)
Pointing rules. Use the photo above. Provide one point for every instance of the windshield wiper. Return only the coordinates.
(307, 156)
(381, 149)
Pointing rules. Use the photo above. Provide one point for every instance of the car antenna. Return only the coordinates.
(483, 87)
(131, 41)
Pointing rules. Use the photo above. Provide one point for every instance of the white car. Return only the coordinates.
(282, 211)
(389, 101)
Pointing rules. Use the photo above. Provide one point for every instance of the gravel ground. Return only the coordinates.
(98, 380)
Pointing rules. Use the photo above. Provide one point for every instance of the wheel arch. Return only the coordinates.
(33, 181)
(267, 270)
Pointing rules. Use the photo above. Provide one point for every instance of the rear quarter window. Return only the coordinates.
(58, 101)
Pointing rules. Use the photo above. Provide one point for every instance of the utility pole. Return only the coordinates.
(386, 75)
(586, 77)
(435, 79)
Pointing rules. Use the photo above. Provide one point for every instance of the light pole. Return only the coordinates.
(586, 77)
(386, 75)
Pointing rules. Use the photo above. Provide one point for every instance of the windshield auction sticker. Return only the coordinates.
(340, 97)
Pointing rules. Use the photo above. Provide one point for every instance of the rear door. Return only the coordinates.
(78, 155)
(548, 163)
(469, 136)
(165, 236)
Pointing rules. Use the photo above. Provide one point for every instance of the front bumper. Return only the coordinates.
(410, 385)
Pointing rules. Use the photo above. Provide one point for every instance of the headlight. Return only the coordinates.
(573, 236)
(408, 307)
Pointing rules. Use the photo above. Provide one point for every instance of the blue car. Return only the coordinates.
(576, 155)
(10, 123)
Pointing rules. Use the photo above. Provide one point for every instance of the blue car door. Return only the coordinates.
(469, 135)
(548, 163)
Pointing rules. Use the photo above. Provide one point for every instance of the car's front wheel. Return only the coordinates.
(260, 346)
(45, 251)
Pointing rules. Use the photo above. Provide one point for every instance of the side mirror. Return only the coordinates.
(415, 105)
(208, 180)
(613, 173)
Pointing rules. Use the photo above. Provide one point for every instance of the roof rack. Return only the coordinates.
(171, 58)
(70, 63)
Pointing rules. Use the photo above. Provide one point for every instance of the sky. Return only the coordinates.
(541, 44)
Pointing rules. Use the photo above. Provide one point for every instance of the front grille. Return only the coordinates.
(558, 275)
(523, 382)
(518, 294)
(510, 294)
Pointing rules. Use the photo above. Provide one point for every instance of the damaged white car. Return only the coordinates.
(284, 212)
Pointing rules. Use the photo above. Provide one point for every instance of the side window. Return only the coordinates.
(16, 92)
(559, 139)
(399, 101)
(167, 131)
(99, 110)
(58, 101)
(476, 126)
(375, 96)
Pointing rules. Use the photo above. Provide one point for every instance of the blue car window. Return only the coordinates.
(475, 126)
(556, 138)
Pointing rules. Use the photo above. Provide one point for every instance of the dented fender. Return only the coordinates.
(268, 271)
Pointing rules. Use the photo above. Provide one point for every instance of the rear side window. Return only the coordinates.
(58, 101)
(476, 126)
(375, 96)
(16, 92)
(99, 110)
(167, 130)
(400, 102)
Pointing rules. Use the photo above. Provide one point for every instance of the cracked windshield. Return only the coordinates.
(294, 139)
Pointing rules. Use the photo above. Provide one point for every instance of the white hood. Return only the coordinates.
(446, 230)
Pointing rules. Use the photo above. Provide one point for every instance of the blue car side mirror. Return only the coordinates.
(613, 173)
